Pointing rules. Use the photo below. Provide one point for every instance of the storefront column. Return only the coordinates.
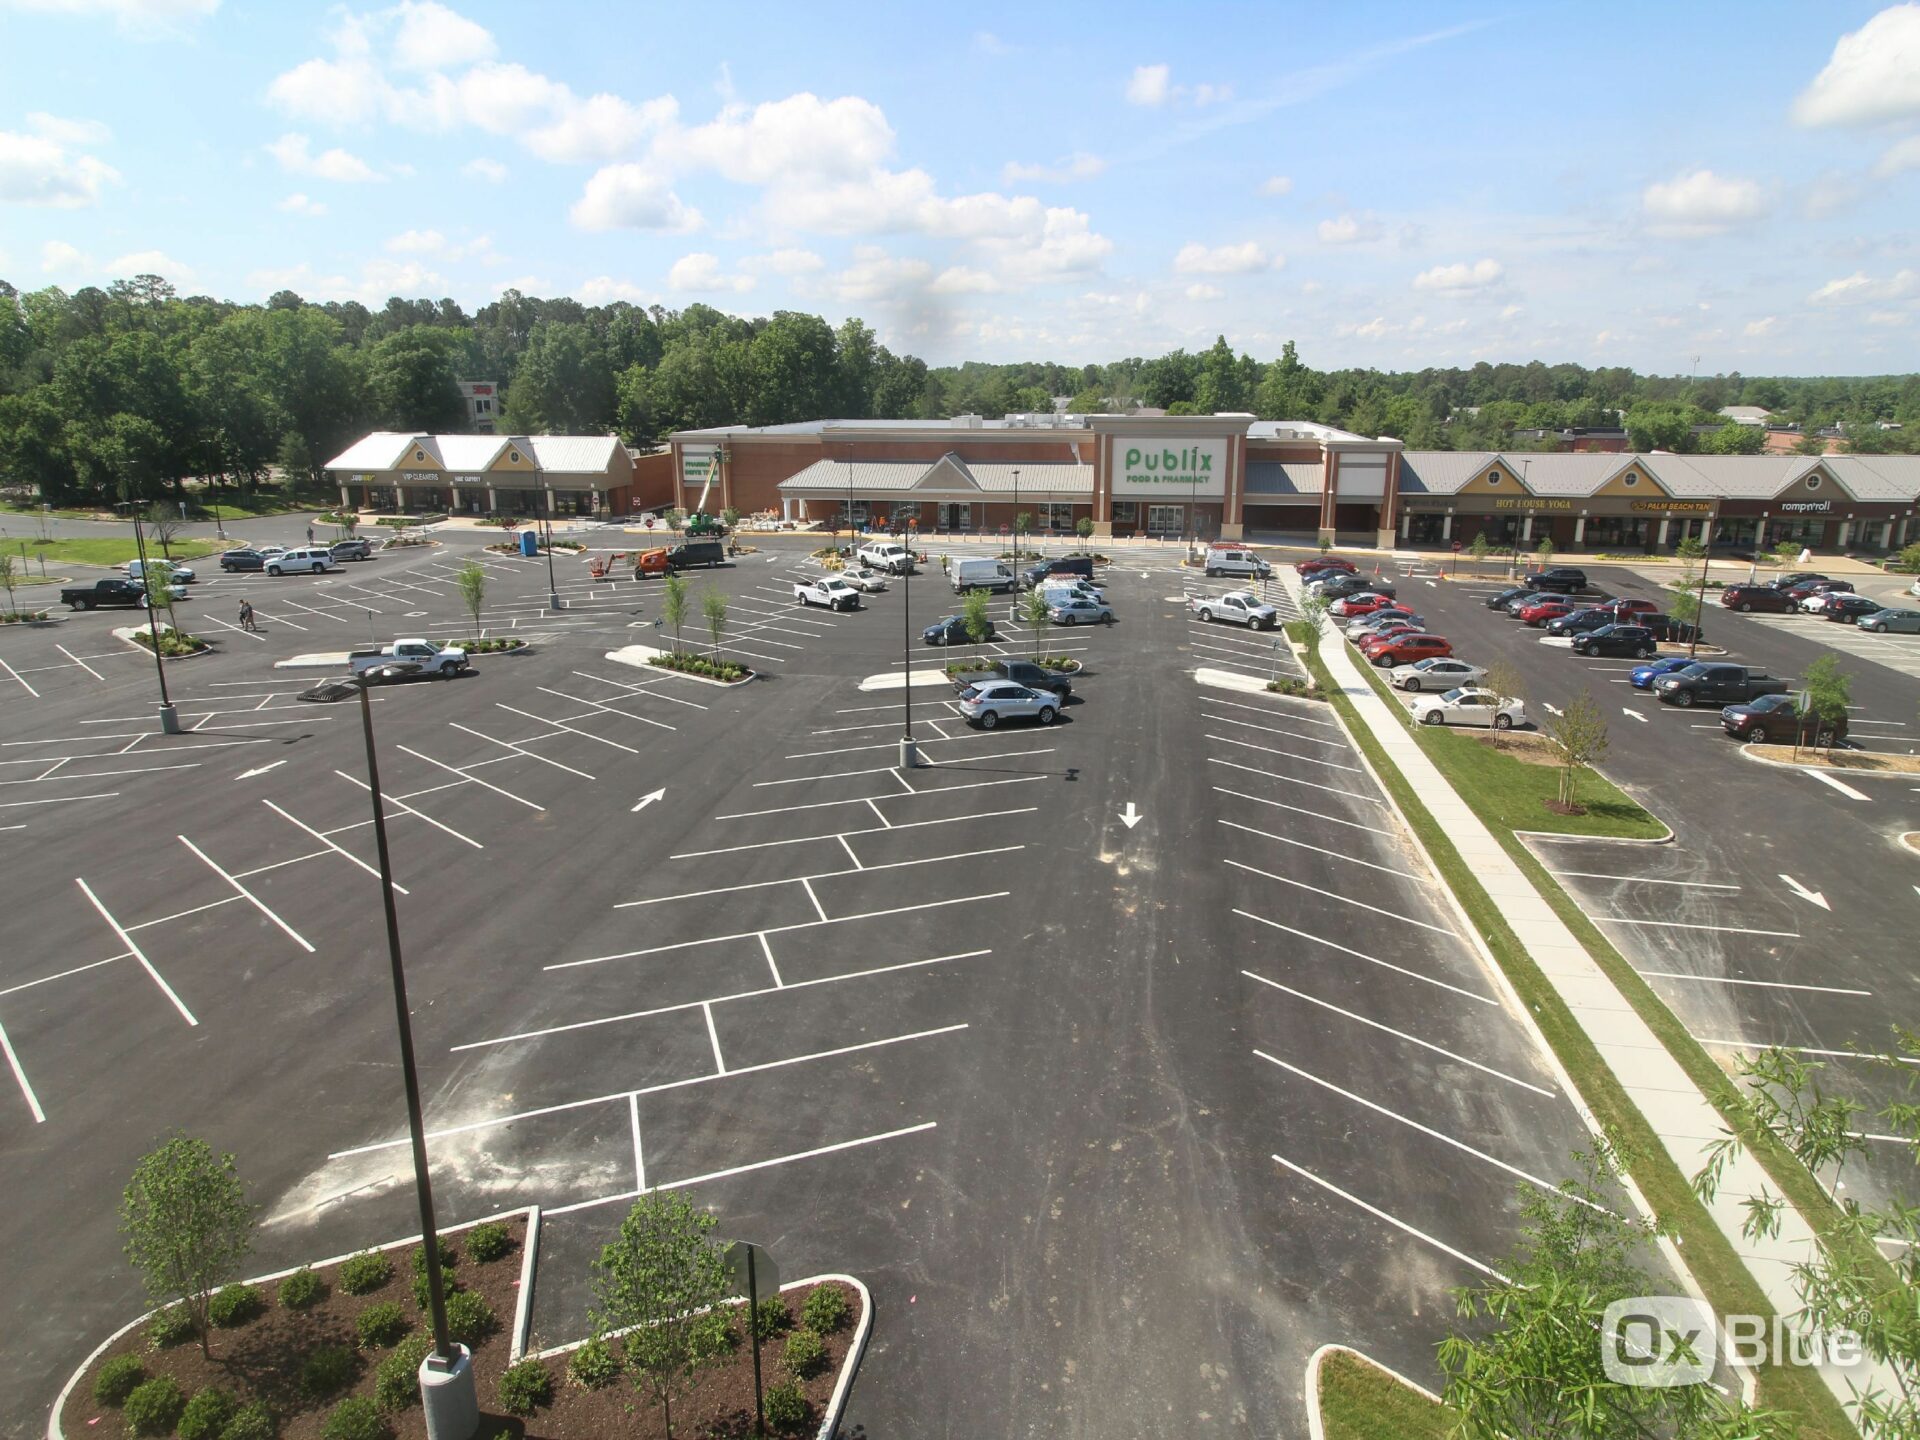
(1406, 525)
(1664, 524)
(1580, 531)
(493, 500)
(1840, 540)
(1526, 530)
(550, 510)
(1446, 527)
(346, 500)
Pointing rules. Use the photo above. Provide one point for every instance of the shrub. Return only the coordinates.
(234, 1305)
(117, 1379)
(593, 1365)
(365, 1272)
(488, 1242)
(770, 1318)
(396, 1384)
(169, 1327)
(786, 1407)
(525, 1388)
(469, 1318)
(825, 1310)
(206, 1415)
(419, 1257)
(379, 1326)
(711, 1336)
(154, 1406)
(302, 1288)
(328, 1371)
(805, 1355)
(255, 1422)
(423, 1289)
(356, 1419)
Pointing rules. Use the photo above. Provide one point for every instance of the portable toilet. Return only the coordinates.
(529, 544)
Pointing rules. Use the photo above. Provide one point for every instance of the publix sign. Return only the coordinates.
(1176, 469)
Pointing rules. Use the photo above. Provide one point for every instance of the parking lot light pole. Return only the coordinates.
(1700, 600)
(447, 1391)
(909, 751)
(169, 717)
(553, 589)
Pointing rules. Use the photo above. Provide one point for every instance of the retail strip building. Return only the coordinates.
(1235, 477)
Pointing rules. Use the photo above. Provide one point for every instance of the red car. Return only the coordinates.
(1405, 649)
(1365, 603)
(1627, 609)
(1321, 563)
(1389, 632)
(1538, 615)
(1797, 593)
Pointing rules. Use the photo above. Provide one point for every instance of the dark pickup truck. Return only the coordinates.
(1705, 683)
(1020, 672)
(106, 594)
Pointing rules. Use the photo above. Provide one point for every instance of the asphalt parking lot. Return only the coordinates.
(1117, 1120)
(1783, 911)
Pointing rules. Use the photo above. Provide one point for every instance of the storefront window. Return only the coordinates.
(1126, 512)
(1164, 519)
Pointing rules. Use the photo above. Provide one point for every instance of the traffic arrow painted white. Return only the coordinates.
(1130, 816)
(1629, 710)
(646, 800)
(1813, 896)
(1554, 709)
(249, 774)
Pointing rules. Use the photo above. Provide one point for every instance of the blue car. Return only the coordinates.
(1643, 676)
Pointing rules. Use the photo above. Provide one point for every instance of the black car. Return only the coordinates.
(1847, 609)
(1507, 597)
(1565, 579)
(1668, 630)
(242, 560)
(1064, 566)
(1354, 585)
(1777, 720)
(1580, 621)
(1020, 672)
(1628, 640)
(696, 552)
(952, 630)
(1799, 577)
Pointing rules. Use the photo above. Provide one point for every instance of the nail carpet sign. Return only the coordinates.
(1170, 468)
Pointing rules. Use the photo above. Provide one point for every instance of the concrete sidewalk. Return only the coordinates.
(1683, 1118)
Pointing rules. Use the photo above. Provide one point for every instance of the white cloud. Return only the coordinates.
(296, 157)
(149, 262)
(1349, 230)
(781, 141)
(1148, 86)
(1513, 312)
(631, 197)
(962, 280)
(57, 256)
(1374, 329)
(142, 19)
(988, 43)
(1204, 94)
(1277, 185)
(601, 127)
(604, 289)
(1205, 292)
(1066, 245)
(786, 261)
(36, 170)
(1901, 156)
(875, 275)
(1700, 202)
(1243, 259)
(1874, 74)
(1890, 318)
(1077, 166)
(1859, 287)
(1763, 326)
(491, 171)
(1461, 277)
(701, 274)
(432, 37)
(298, 204)
(78, 133)
(1829, 194)
(379, 280)
(417, 242)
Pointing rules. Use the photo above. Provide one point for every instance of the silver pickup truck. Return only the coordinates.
(1241, 607)
(404, 658)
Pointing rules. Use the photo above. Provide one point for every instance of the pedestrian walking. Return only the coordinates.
(309, 534)
(246, 616)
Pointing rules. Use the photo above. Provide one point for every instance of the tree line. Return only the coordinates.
(126, 392)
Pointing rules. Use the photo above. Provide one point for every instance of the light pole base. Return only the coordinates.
(448, 1396)
(553, 600)
(169, 720)
(909, 753)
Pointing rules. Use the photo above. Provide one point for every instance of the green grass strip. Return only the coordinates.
(100, 551)
(1717, 1268)
(1359, 1401)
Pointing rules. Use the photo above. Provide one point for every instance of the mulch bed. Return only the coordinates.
(262, 1359)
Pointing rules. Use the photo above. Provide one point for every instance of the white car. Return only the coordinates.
(174, 569)
(1816, 602)
(308, 559)
(1079, 610)
(1469, 705)
(987, 705)
(1436, 672)
(872, 582)
(1085, 589)
(1358, 629)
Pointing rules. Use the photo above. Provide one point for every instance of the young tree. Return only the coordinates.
(713, 605)
(472, 580)
(1829, 692)
(1083, 527)
(1326, 545)
(1033, 610)
(162, 518)
(1785, 552)
(349, 522)
(730, 517)
(973, 613)
(1313, 614)
(7, 580)
(1479, 549)
(158, 579)
(1022, 524)
(1578, 735)
(188, 1225)
(1690, 552)
(673, 605)
(1503, 678)
(1534, 1363)
(1543, 552)
(659, 1282)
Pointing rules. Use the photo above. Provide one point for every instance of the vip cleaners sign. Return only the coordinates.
(1171, 469)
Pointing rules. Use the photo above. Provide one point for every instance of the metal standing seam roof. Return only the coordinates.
(573, 454)
(1441, 472)
(1559, 475)
(469, 454)
(1278, 478)
(1038, 479)
(382, 450)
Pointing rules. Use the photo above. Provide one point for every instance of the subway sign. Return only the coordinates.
(1175, 469)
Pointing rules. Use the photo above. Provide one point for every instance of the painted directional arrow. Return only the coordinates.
(1814, 896)
(648, 799)
(249, 774)
(1130, 816)
(1629, 710)
(1553, 709)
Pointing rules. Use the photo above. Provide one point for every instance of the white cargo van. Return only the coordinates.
(1234, 560)
(993, 575)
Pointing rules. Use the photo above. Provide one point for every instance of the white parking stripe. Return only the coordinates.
(1311, 785)
(1342, 856)
(1342, 899)
(1284, 754)
(519, 748)
(398, 888)
(1271, 710)
(1688, 925)
(807, 880)
(474, 779)
(402, 804)
(1297, 810)
(135, 951)
(253, 899)
(1642, 879)
(1358, 955)
(1397, 1224)
(1269, 730)
(1763, 984)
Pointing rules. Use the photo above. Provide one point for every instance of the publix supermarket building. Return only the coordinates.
(1234, 477)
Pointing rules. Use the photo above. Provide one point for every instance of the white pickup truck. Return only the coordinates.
(404, 658)
(1242, 607)
(894, 559)
(828, 590)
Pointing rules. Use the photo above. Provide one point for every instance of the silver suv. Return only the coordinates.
(988, 704)
(306, 558)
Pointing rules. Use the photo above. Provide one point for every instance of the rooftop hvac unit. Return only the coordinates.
(966, 422)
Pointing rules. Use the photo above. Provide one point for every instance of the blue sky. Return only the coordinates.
(1387, 184)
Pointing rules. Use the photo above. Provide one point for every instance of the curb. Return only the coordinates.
(636, 657)
(523, 1307)
(125, 636)
(1315, 1427)
(54, 1432)
(1837, 772)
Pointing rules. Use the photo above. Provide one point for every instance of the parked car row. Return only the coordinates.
(1394, 638)
(1807, 593)
(295, 560)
